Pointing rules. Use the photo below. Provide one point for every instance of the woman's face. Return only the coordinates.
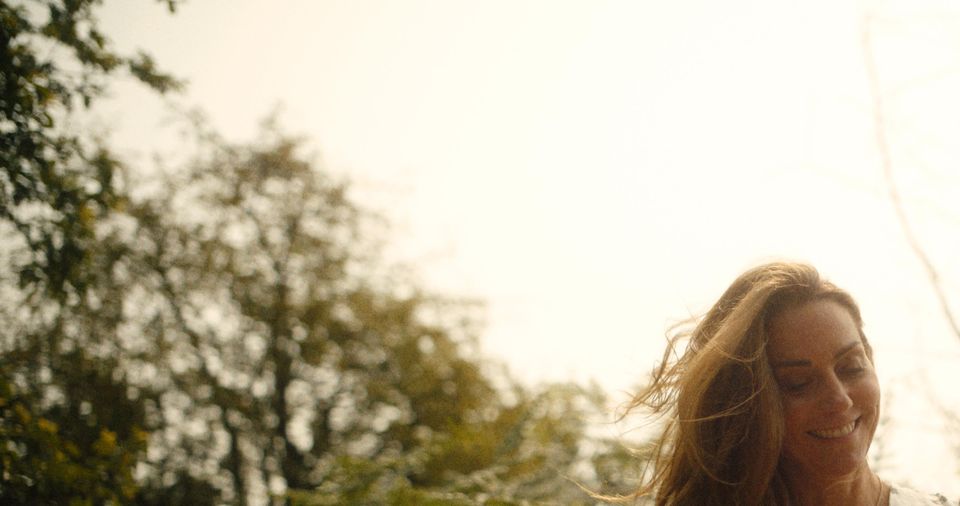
(829, 389)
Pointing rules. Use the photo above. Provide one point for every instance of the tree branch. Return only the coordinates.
(886, 162)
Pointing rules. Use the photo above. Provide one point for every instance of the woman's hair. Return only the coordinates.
(716, 392)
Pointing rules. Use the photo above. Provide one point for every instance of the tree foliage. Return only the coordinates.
(70, 429)
(42, 462)
(274, 329)
(54, 59)
(317, 371)
(536, 450)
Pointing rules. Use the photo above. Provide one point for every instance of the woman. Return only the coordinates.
(770, 399)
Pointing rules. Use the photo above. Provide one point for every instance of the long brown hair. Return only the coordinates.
(717, 395)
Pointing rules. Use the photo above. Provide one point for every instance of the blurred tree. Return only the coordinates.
(280, 346)
(71, 431)
(43, 463)
(537, 450)
(66, 369)
(53, 58)
(294, 364)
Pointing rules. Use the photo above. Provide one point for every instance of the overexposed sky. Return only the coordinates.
(597, 170)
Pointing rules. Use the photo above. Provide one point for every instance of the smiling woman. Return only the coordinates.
(771, 398)
(830, 395)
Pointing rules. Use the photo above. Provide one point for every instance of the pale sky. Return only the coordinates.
(597, 170)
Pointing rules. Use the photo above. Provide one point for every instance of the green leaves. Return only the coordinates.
(143, 68)
(69, 434)
(50, 63)
(40, 464)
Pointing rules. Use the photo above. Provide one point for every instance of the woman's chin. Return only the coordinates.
(838, 468)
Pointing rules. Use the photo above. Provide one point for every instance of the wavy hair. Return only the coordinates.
(716, 393)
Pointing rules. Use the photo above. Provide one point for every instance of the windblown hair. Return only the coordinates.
(716, 393)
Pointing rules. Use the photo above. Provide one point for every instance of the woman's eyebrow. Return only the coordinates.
(792, 363)
(806, 363)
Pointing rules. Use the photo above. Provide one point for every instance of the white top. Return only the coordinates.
(902, 496)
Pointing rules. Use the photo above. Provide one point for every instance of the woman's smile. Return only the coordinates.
(836, 432)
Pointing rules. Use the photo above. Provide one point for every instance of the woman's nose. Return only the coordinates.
(835, 396)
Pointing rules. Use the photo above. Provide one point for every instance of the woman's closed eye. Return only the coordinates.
(853, 368)
(795, 385)
(852, 371)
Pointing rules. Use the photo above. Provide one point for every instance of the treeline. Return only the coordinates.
(224, 331)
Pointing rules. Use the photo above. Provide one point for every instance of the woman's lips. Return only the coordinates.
(835, 432)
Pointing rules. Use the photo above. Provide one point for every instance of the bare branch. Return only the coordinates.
(886, 161)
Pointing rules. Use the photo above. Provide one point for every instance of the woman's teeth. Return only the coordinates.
(835, 433)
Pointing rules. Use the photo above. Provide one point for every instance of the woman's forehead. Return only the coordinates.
(817, 328)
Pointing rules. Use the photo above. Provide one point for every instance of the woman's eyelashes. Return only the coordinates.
(852, 371)
(853, 368)
(795, 385)
(800, 384)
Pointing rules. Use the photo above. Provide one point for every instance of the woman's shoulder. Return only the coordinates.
(903, 496)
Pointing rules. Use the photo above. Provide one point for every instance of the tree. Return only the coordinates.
(294, 363)
(45, 465)
(536, 450)
(273, 332)
(53, 59)
(70, 431)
